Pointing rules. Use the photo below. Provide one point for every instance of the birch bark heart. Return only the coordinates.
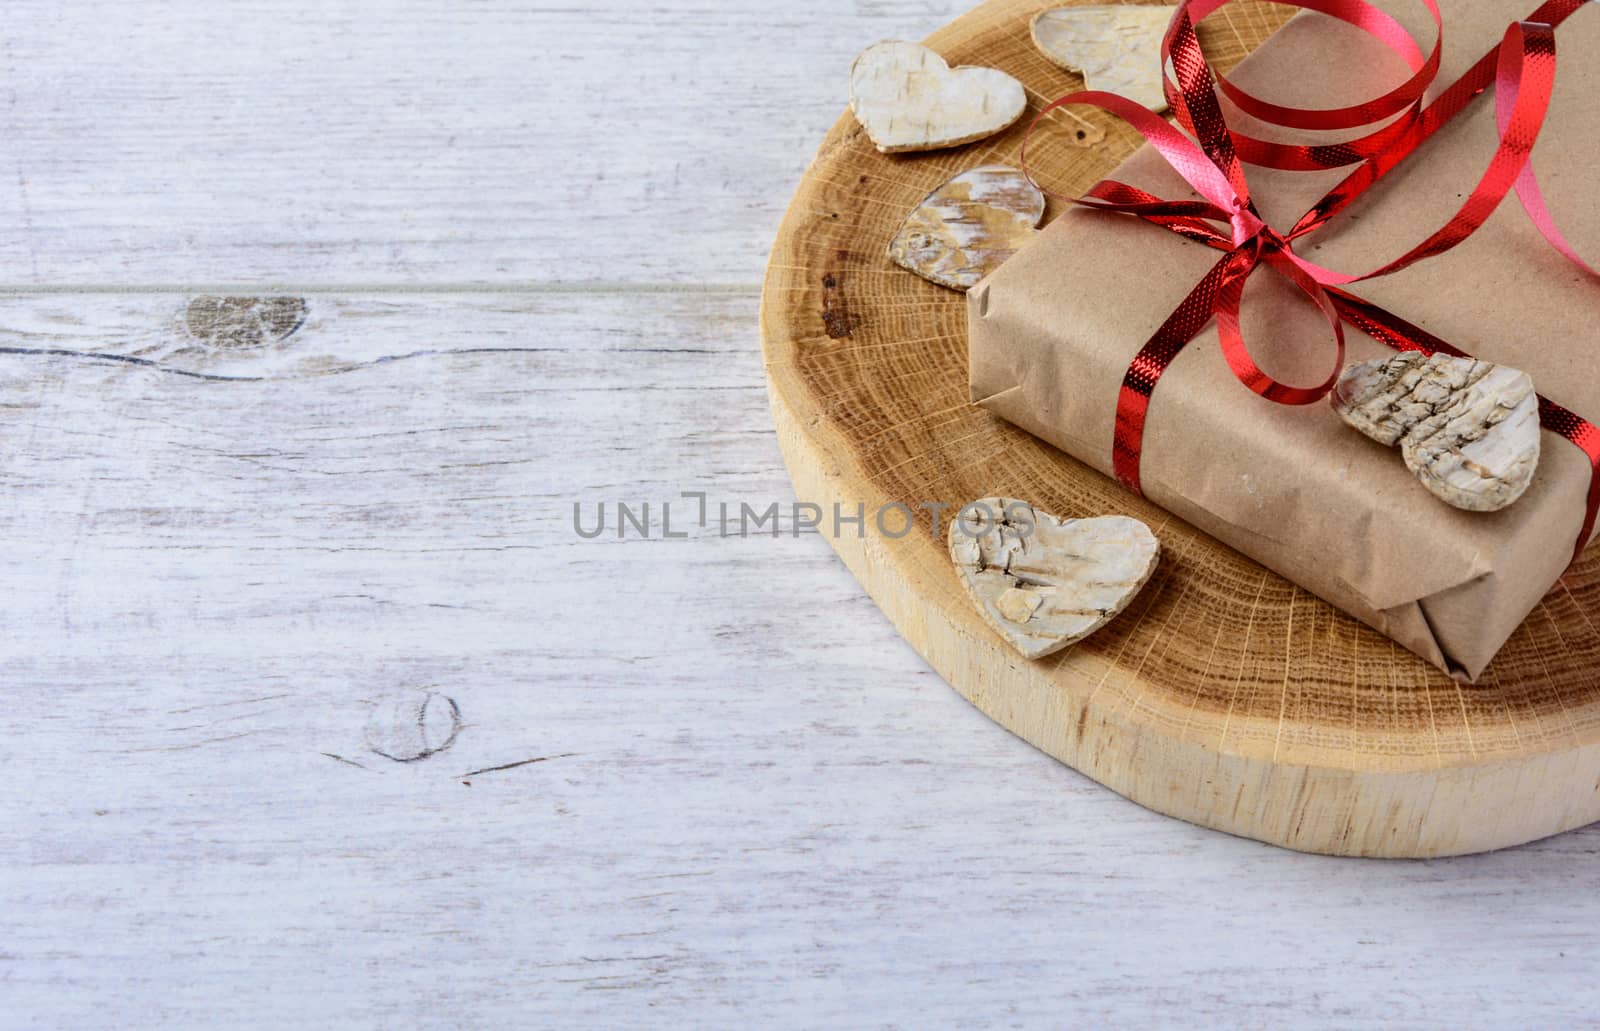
(1115, 47)
(1469, 430)
(966, 228)
(908, 98)
(1043, 582)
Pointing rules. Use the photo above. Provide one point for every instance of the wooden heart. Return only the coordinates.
(1043, 582)
(1469, 430)
(908, 98)
(1115, 47)
(966, 228)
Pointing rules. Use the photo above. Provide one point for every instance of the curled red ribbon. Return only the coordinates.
(1521, 70)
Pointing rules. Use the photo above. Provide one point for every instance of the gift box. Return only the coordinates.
(1053, 331)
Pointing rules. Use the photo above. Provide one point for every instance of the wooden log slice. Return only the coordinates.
(1224, 695)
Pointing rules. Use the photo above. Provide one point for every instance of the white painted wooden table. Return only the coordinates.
(530, 241)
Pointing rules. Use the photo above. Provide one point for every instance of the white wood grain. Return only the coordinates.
(766, 808)
(756, 805)
(416, 141)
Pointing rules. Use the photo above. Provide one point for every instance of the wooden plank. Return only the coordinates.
(418, 141)
(756, 804)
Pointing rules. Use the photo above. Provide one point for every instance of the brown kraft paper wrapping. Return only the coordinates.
(1053, 330)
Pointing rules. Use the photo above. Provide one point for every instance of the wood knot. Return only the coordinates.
(413, 726)
(240, 323)
(836, 319)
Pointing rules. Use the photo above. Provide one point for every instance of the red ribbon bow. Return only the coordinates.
(1522, 70)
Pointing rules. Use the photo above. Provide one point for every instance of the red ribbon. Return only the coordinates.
(1521, 70)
